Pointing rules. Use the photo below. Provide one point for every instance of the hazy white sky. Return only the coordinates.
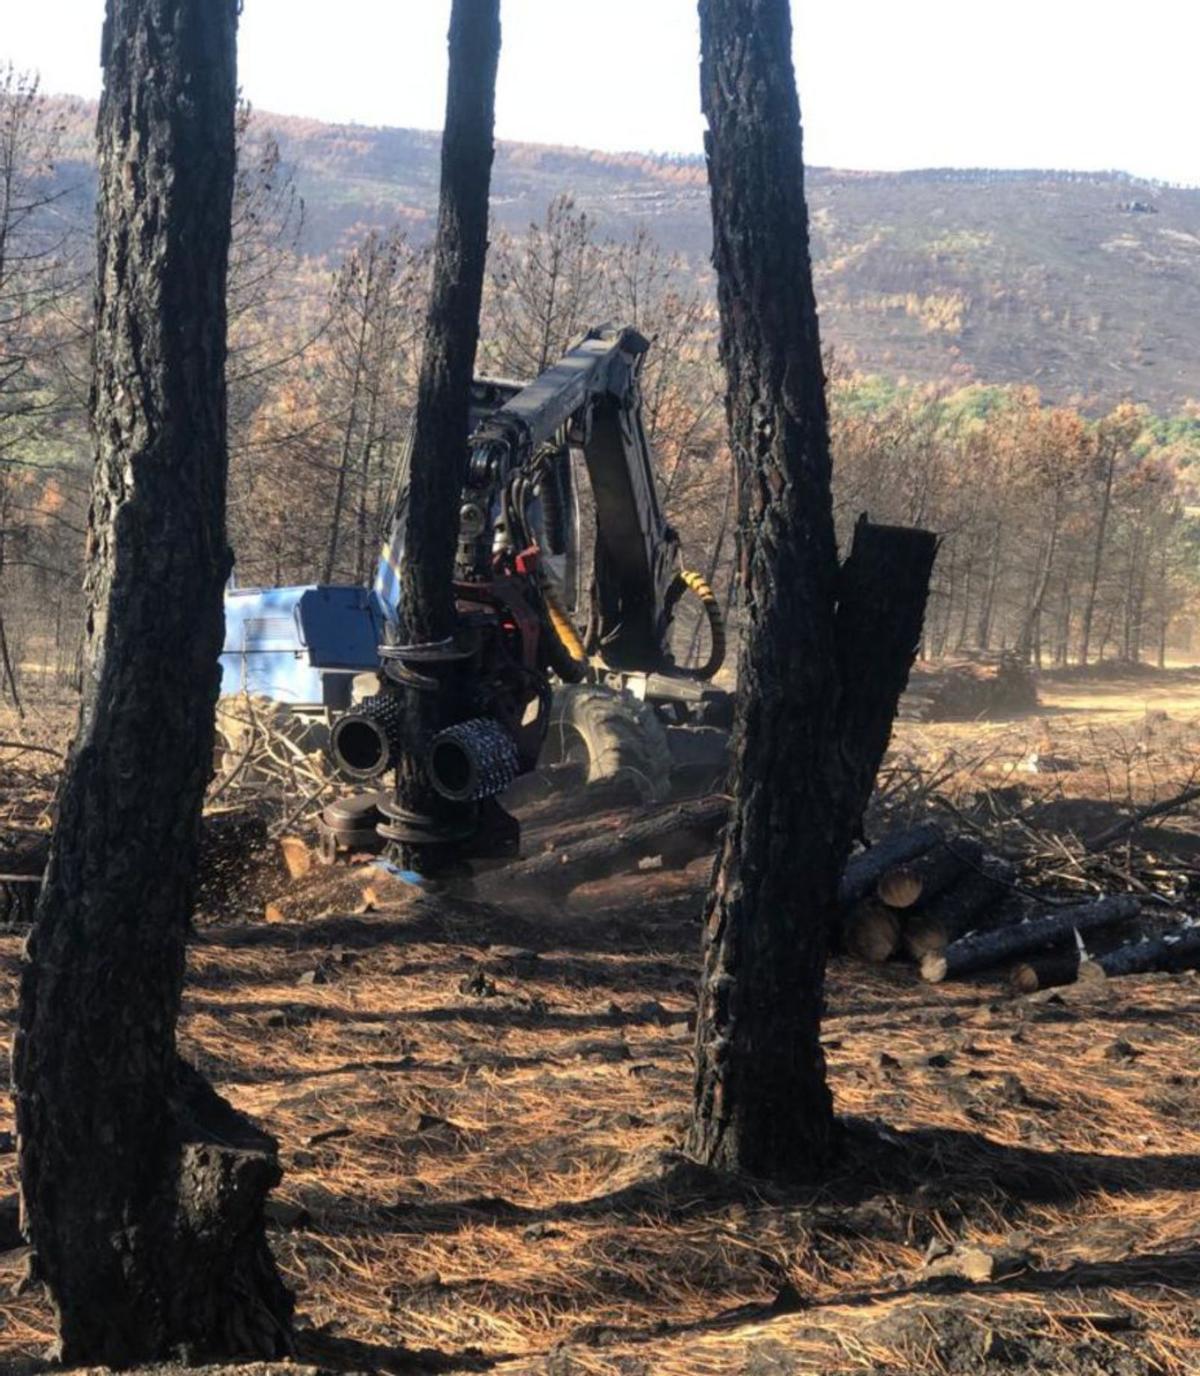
(883, 83)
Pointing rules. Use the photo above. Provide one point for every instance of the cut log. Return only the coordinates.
(871, 931)
(564, 834)
(621, 891)
(961, 908)
(900, 888)
(563, 804)
(678, 834)
(945, 864)
(865, 870)
(1049, 972)
(983, 950)
(1172, 951)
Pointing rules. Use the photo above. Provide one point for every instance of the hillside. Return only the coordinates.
(1086, 285)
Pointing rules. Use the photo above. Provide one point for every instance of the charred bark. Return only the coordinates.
(142, 1190)
(944, 865)
(1172, 952)
(439, 450)
(964, 906)
(882, 591)
(811, 674)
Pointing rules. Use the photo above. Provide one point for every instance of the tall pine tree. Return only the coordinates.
(825, 652)
(143, 1190)
(429, 515)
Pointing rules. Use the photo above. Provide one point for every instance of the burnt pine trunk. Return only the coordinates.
(825, 652)
(1089, 603)
(439, 445)
(142, 1190)
(348, 429)
(1041, 583)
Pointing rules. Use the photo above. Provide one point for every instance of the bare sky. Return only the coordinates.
(883, 83)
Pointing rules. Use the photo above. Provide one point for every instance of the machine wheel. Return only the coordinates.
(613, 734)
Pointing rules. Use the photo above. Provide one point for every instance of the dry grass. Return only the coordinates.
(496, 1177)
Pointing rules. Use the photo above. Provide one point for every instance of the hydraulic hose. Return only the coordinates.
(564, 649)
(687, 581)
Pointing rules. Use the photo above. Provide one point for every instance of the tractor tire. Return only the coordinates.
(613, 733)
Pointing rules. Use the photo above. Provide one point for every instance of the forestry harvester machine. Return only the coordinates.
(566, 592)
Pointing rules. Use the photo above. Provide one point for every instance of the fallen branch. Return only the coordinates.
(1118, 830)
(28, 745)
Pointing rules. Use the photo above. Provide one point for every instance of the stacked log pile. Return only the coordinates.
(967, 689)
(955, 910)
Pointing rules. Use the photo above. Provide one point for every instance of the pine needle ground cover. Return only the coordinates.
(480, 1106)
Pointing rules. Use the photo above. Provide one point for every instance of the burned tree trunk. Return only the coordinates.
(761, 1100)
(439, 450)
(143, 1191)
(818, 683)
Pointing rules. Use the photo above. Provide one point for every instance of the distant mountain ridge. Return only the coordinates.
(1084, 284)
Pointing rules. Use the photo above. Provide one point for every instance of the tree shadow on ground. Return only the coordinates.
(332, 1353)
(1179, 1271)
(601, 935)
(921, 1168)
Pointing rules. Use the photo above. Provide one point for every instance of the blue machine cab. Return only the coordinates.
(300, 645)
